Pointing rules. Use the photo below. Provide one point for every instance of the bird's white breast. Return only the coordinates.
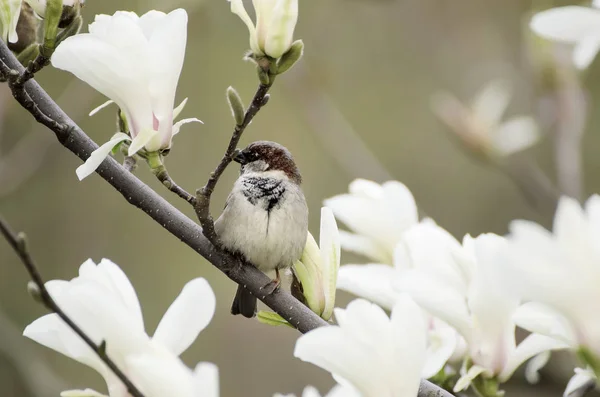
(266, 220)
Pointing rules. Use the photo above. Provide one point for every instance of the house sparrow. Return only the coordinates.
(265, 217)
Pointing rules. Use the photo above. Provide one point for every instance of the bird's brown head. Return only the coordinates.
(262, 156)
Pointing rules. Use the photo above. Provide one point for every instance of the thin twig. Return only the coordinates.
(163, 176)
(202, 205)
(19, 245)
(143, 197)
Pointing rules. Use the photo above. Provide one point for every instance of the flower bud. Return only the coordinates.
(318, 267)
(276, 21)
(68, 7)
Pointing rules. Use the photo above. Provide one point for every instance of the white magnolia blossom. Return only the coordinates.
(39, 6)
(572, 24)
(317, 269)
(427, 247)
(368, 351)
(378, 215)
(559, 273)
(136, 62)
(276, 20)
(9, 16)
(336, 391)
(474, 302)
(103, 303)
(479, 125)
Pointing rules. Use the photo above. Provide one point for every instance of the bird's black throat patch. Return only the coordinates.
(266, 192)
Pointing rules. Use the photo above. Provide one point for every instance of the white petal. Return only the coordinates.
(142, 139)
(97, 156)
(281, 32)
(491, 102)
(532, 370)
(531, 346)
(52, 332)
(586, 50)
(492, 306)
(372, 282)
(515, 135)
(237, 7)
(436, 298)
(583, 379)
(330, 256)
(120, 284)
(409, 340)
(177, 125)
(99, 108)
(177, 111)
(542, 319)
(442, 342)
(168, 42)
(115, 72)
(364, 246)
(159, 376)
(81, 393)
(206, 380)
(569, 24)
(189, 314)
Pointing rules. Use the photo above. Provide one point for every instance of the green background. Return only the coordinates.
(359, 106)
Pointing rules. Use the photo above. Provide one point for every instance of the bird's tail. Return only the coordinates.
(244, 303)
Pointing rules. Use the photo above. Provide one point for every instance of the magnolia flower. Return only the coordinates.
(317, 269)
(337, 391)
(374, 354)
(9, 16)
(275, 23)
(432, 250)
(39, 6)
(136, 62)
(377, 214)
(103, 303)
(559, 273)
(479, 125)
(479, 307)
(572, 24)
(580, 383)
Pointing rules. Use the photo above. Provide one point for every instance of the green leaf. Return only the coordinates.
(272, 318)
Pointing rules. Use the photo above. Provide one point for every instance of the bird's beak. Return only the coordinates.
(238, 157)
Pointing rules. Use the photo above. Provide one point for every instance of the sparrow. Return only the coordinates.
(265, 219)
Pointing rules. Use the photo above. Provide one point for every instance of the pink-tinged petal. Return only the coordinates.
(168, 42)
(189, 314)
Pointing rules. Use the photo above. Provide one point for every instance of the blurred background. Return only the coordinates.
(358, 105)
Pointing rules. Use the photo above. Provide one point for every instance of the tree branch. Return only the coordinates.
(47, 112)
(202, 204)
(19, 244)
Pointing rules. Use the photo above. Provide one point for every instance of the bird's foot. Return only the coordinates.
(272, 285)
